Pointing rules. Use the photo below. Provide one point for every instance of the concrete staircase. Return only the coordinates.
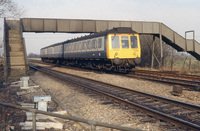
(180, 43)
(16, 52)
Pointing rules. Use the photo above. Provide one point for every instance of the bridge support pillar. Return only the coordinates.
(152, 55)
(17, 64)
(161, 47)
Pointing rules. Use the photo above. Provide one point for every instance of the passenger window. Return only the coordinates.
(125, 41)
(134, 42)
(99, 43)
(83, 45)
(93, 44)
(115, 42)
(79, 46)
(74, 46)
(65, 48)
(70, 48)
(60, 49)
(88, 44)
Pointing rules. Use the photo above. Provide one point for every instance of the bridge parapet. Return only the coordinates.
(86, 26)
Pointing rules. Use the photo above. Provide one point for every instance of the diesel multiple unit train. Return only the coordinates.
(117, 49)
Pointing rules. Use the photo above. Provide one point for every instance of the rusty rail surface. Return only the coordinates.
(164, 108)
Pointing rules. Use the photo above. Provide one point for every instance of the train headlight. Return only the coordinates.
(134, 53)
(116, 54)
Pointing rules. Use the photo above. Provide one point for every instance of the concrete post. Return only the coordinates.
(34, 120)
(161, 47)
(42, 102)
(152, 56)
(25, 81)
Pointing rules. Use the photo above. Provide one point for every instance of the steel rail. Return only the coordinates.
(150, 111)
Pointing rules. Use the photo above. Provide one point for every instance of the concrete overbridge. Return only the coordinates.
(16, 51)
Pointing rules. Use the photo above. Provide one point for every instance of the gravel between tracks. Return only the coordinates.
(138, 84)
(85, 105)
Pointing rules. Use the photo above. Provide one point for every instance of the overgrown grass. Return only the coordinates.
(186, 65)
(183, 65)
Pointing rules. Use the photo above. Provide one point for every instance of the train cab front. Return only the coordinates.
(124, 50)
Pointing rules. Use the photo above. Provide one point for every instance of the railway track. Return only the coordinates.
(193, 81)
(189, 81)
(169, 74)
(179, 113)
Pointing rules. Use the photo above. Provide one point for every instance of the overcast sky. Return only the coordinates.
(179, 15)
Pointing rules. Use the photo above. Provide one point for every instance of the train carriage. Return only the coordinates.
(43, 53)
(116, 49)
(53, 53)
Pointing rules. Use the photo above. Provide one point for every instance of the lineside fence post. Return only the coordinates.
(152, 55)
(161, 47)
(93, 127)
(191, 31)
(34, 120)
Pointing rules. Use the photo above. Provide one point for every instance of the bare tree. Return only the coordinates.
(33, 55)
(11, 10)
(146, 42)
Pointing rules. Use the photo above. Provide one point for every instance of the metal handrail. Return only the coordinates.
(73, 118)
(191, 31)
